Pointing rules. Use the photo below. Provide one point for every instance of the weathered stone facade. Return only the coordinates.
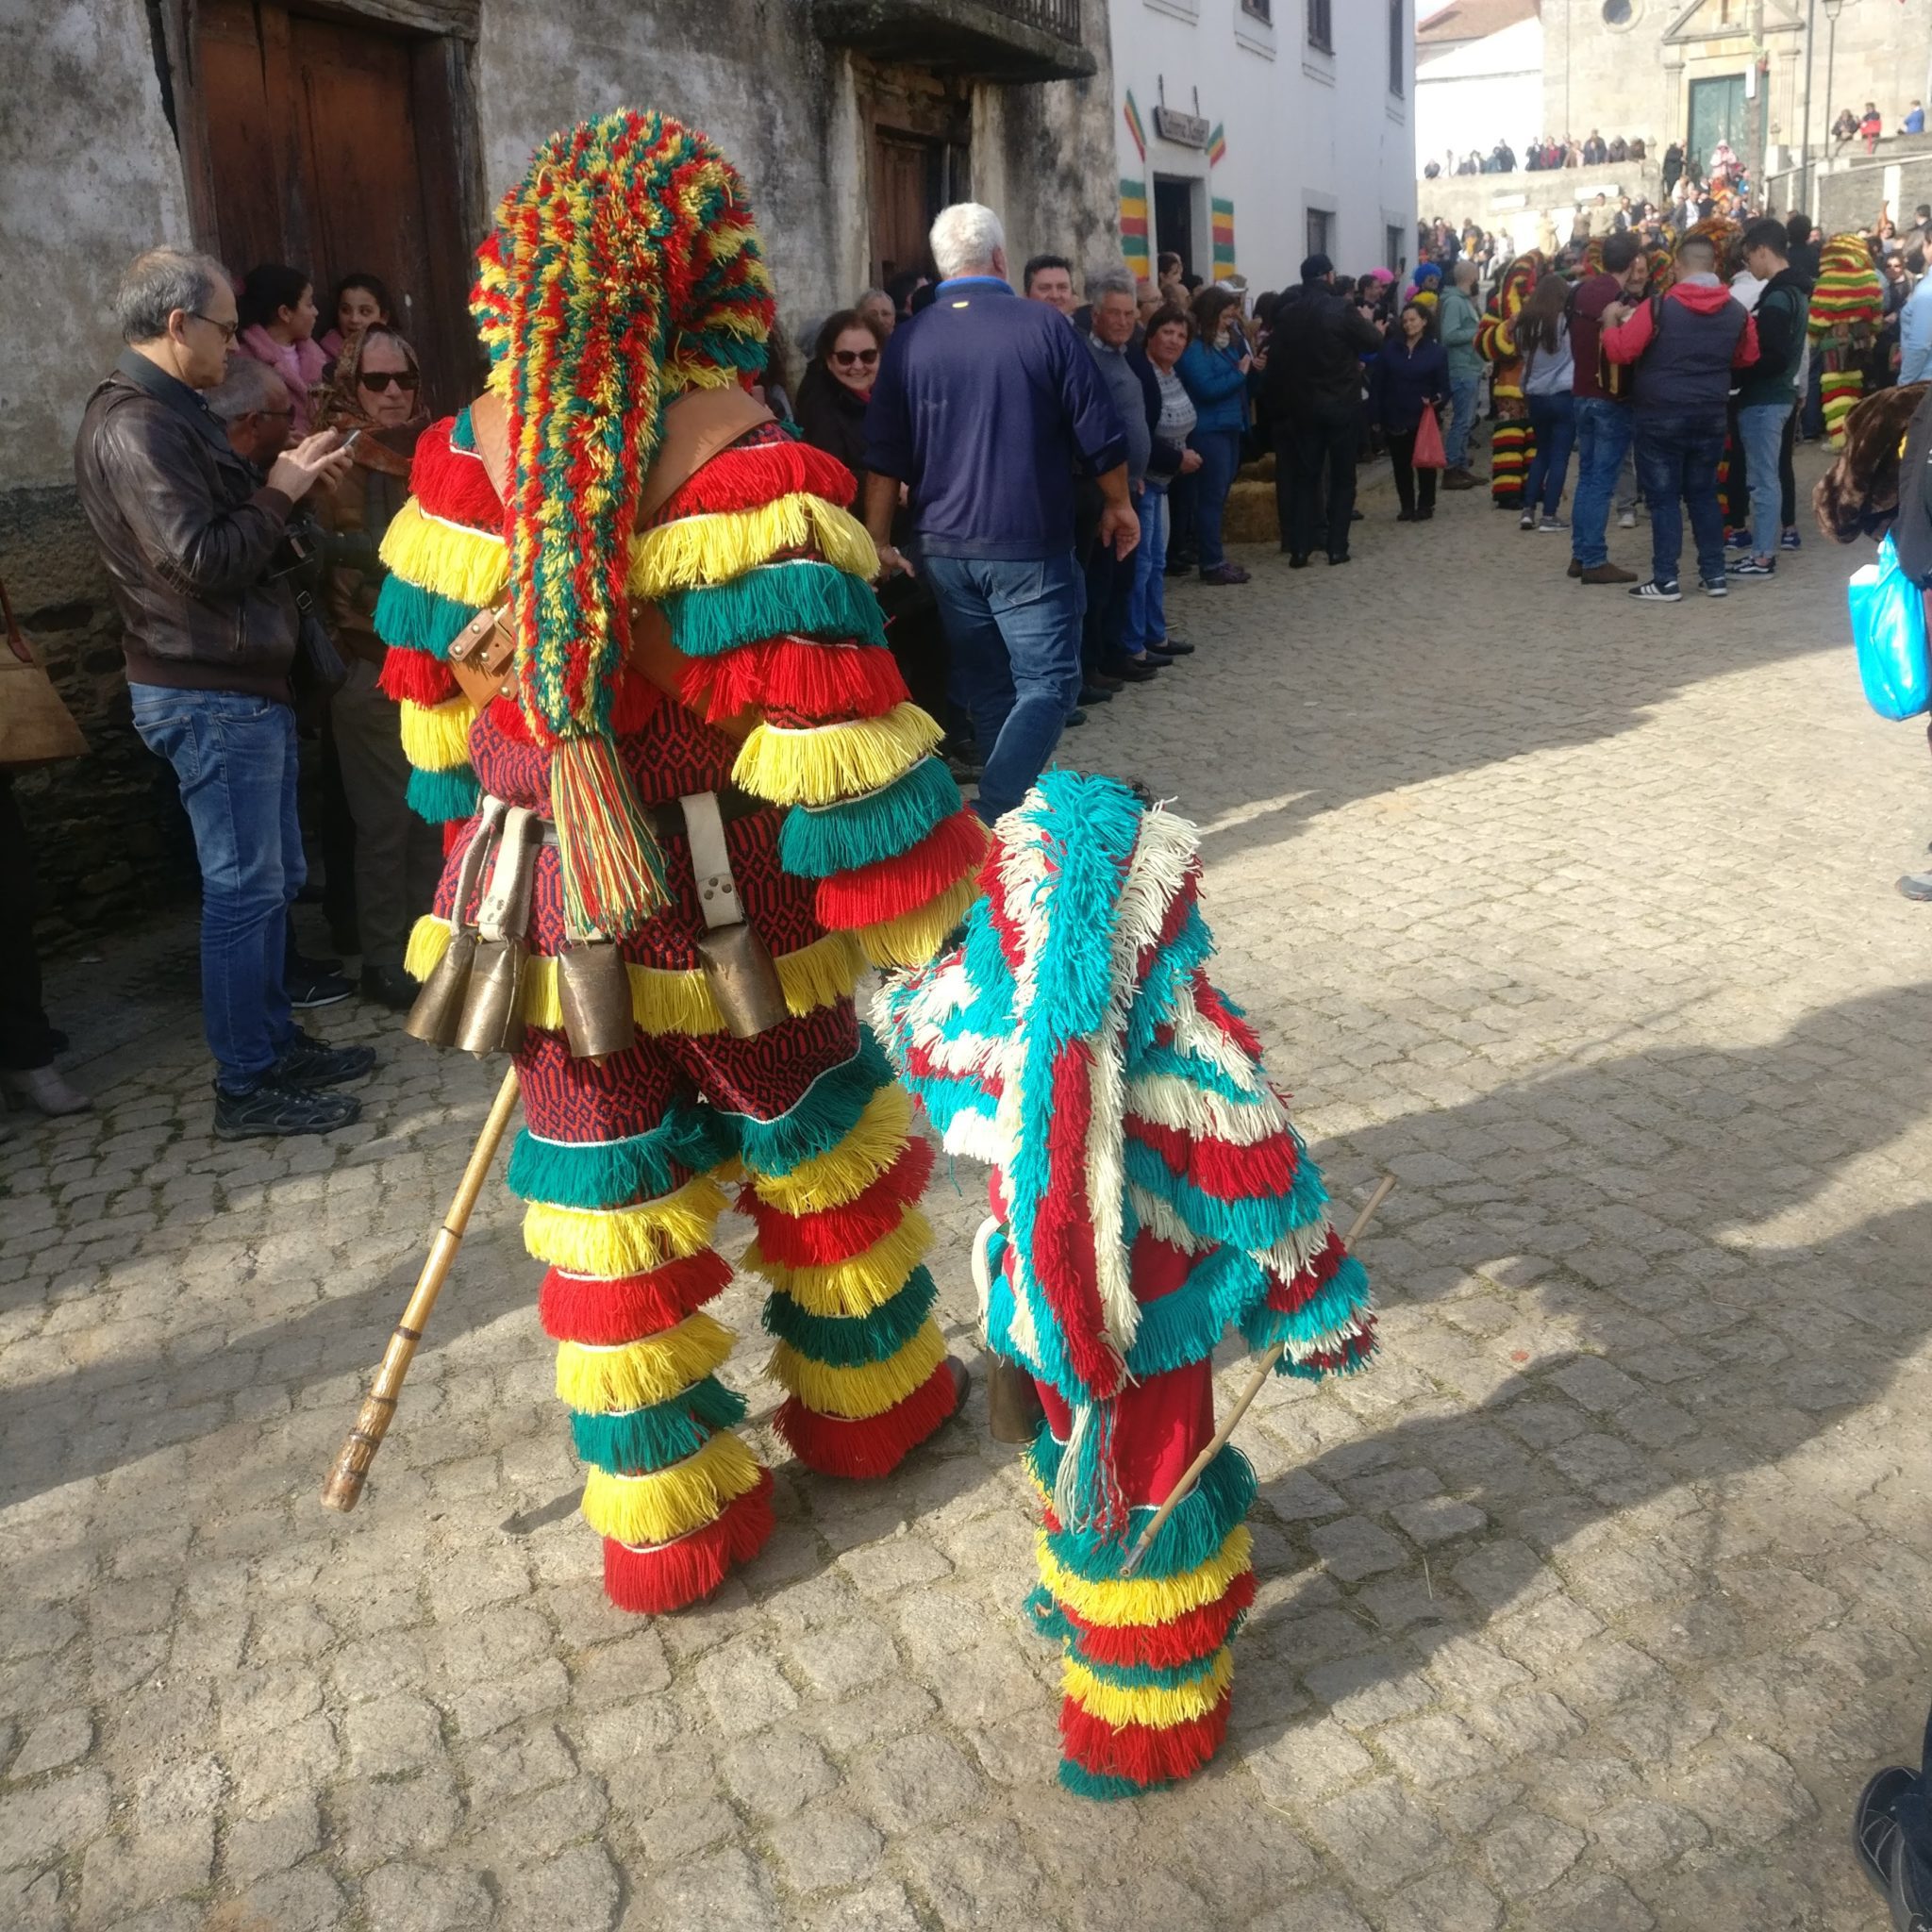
(94, 172)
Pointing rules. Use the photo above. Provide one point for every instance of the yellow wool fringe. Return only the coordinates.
(1153, 1704)
(663, 999)
(824, 763)
(599, 1381)
(1118, 1605)
(666, 1503)
(854, 1287)
(718, 546)
(867, 1390)
(624, 1241)
(438, 739)
(914, 937)
(841, 1173)
(468, 566)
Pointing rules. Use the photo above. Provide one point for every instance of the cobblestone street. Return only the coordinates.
(1590, 1609)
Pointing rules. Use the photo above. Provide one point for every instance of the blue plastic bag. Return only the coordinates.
(1888, 628)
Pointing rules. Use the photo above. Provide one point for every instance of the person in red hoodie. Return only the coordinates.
(1685, 345)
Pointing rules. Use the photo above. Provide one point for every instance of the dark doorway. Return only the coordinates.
(335, 145)
(1174, 220)
(913, 177)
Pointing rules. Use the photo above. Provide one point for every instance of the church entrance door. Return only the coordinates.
(1717, 113)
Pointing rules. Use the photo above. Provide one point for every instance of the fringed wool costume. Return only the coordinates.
(1150, 1192)
(1846, 307)
(1512, 446)
(778, 766)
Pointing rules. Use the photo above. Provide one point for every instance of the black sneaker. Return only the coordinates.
(1655, 592)
(277, 1108)
(388, 986)
(1714, 587)
(1753, 567)
(309, 989)
(309, 1063)
(1172, 647)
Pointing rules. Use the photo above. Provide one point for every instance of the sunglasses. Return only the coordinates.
(848, 358)
(229, 329)
(379, 379)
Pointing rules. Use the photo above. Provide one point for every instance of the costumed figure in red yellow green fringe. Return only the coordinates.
(686, 800)
(1847, 306)
(1149, 1193)
(1512, 444)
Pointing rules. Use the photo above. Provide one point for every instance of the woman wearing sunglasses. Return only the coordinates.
(376, 391)
(832, 396)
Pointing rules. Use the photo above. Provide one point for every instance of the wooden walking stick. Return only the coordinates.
(1262, 1370)
(344, 1489)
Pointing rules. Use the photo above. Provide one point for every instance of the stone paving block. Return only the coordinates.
(1379, 1834)
(1353, 1548)
(423, 1898)
(921, 1779)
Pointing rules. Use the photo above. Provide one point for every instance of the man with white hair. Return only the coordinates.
(983, 407)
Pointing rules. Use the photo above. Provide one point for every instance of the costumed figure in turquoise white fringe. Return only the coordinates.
(1151, 1192)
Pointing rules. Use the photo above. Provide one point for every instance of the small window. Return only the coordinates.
(1321, 230)
(1398, 48)
(1617, 12)
(1259, 9)
(1322, 24)
(1394, 259)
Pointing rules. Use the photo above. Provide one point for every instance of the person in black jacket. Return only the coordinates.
(1311, 393)
(1407, 379)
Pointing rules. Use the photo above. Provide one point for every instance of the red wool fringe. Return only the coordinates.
(581, 1308)
(1222, 1169)
(1198, 1634)
(453, 484)
(1141, 1753)
(836, 1234)
(758, 474)
(1172, 921)
(1210, 1006)
(1063, 1258)
(1285, 1297)
(875, 1446)
(662, 1578)
(418, 677)
(890, 888)
(812, 681)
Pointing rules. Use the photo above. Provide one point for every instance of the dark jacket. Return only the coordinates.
(1164, 462)
(1314, 356)
(189, 534)
(833, 420)
(1784, 307)
(1402, 382)
(1689, 340)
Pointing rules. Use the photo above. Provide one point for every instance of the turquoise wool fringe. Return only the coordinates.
(1165, 983)
(613, 1174)
(408, 618)
(1222, 1290)
(1051, 1364)
(819, 844)
(1093, 1784)
(441, 796)
(812, 599)
(1344, 1293)
(850, 1341)
(1253, 1221)
(635, 1439)
(1187, 1539)
(1044, 1615)
(820, 1120)
(1155, 1676)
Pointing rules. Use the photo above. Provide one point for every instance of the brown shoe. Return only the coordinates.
(1606, 574)
(1575, 568)
(1459, 479)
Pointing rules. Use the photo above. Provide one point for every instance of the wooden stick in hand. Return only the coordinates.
(344, 1489)
(1255, 1383)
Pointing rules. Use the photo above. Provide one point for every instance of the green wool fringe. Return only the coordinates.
(1222, 1289)
(819, 844)
(849, 1341)
(1155, 1676)
(815, 599)
(412, 619)
(441, 796)
(1044, 1616)
(828, 1113)
(635, 1439)
(613, 1174)
(1344, 1293)
(1187, 1539)
(1094, 1784)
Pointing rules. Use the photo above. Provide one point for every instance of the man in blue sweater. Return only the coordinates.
(984, 404)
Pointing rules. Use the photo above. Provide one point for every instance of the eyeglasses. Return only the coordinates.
(849, 359)
(229, 329)
(379, 379)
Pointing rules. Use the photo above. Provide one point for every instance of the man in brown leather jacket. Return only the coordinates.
(193, 545)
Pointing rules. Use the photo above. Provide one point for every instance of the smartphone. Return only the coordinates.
(349, 442)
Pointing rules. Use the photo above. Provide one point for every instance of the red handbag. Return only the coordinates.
(1429, 453)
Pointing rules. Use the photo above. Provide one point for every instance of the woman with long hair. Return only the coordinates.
(836, 385)
(1408, 375)
(375, 395)
(362, 300)
(275, 307)
(1543, 335)
(1214, 371)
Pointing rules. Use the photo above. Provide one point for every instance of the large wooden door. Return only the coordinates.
(322, 155)
(908, 171)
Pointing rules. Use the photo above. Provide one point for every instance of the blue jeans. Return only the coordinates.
(1603, 441)
(1676, 463)
(1554, 421)
(1014, 628)
(1761, 430)
(1463, 393)
(235, 758)
(1220, 458)
(1147, 604)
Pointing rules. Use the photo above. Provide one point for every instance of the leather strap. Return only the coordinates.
(711, 861)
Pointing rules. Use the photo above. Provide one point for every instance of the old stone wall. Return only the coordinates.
(1514, 204)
